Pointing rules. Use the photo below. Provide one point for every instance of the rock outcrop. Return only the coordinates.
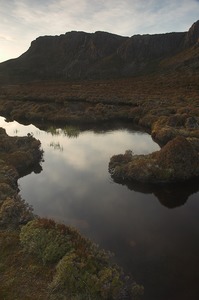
(192, 36)
(81, 55)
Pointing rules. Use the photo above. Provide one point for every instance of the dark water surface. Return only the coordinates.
(154, 232)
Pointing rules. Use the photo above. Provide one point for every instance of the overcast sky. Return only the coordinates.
(22, 21)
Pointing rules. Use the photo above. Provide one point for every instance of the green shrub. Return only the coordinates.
(86, 277)
(89, 274)
(44, 238)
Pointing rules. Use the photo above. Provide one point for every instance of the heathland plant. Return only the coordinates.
(44, 239)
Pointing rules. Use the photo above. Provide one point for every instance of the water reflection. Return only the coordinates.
(169, 195)
(57, 146)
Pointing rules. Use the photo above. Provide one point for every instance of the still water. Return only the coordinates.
(152, 231)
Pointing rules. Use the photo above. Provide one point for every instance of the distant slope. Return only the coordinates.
(102, 55)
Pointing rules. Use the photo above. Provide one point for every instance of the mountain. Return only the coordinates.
(102, 55)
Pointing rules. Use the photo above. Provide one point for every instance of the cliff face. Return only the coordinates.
(80, 55)
(192, 36)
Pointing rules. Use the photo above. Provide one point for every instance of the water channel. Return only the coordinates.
(152, 231)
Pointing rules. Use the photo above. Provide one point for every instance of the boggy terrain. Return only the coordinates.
(166, 106)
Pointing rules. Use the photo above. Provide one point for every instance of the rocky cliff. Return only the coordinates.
(81, 55)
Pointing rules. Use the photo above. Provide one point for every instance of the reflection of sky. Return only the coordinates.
(77, 171)
(75, 187)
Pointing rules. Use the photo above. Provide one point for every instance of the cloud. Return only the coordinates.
(5, 38)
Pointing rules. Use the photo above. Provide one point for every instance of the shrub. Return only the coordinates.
(84, 276)
(20, 159)
(89, 274)
(6, 191)
(43, 238)
(83, 271)
(13, 212)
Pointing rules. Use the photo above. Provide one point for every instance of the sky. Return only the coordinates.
(22, 21)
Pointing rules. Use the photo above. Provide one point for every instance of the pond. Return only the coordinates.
(152, 231)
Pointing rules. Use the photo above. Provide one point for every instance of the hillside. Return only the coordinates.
(102, 55)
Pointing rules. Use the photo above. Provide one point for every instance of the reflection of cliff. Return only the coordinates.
(169, 195)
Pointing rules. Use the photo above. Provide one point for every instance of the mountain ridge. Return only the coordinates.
(100, 55)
